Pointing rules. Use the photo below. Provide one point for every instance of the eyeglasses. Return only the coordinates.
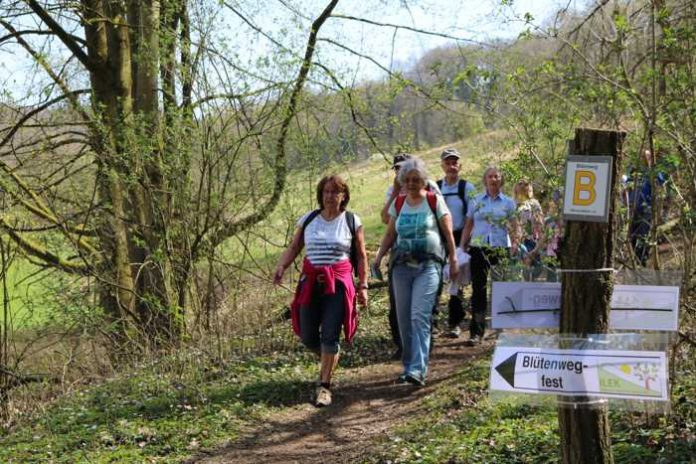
(332, 192)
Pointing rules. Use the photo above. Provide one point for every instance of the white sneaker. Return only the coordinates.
(454, 332)
(474, 341)
(323, 397)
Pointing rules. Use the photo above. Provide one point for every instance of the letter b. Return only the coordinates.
(584, 182)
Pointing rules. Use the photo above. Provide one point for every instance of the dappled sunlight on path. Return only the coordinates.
(366, 406)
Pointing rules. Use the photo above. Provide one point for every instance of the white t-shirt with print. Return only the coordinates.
(327, 242)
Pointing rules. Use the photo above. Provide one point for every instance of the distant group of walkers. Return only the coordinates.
(431, 227)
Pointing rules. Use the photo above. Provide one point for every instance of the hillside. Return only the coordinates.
(245, 395)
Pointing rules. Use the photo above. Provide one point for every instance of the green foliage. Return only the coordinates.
(462, 425)
(154, 413)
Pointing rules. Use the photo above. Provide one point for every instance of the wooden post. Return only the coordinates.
(585, 303)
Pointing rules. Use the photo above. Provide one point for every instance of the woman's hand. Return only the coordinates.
(375, 268)
(362, 297)
(454, 268)
(278, 276)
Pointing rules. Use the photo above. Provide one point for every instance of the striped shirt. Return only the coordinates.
(327, 242)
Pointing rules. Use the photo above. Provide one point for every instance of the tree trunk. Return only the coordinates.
(585, 304)
(111, 99)
(130, 157)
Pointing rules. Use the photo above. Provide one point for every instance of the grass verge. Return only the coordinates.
(460, 425)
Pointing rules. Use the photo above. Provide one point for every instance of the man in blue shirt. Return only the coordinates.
(489, 217)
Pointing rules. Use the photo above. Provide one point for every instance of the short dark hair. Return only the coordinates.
(400, 158)
(340, 185)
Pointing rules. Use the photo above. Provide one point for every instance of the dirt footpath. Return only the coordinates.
(366, 406)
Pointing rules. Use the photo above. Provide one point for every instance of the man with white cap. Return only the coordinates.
(457, 193)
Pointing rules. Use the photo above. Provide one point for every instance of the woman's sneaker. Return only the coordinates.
(413, 380)
(454, 331)
(323, 397)
(474, 341)
(408, 379)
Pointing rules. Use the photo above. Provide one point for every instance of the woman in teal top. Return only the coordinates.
(419, 229)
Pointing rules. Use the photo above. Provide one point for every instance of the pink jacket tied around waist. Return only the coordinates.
(328, 275)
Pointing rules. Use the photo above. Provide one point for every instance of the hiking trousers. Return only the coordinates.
(482, 258)
(321, 321)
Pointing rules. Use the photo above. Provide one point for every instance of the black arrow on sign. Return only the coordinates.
(506, 369)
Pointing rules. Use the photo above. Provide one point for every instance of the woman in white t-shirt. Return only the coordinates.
(325, 296)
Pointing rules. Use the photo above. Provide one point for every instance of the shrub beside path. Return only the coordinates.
(366, 407)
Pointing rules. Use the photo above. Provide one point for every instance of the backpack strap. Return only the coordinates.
(461, 191)
(399, 203)
(430, 196)
(310, 218)
(432, 202)
(350, 220)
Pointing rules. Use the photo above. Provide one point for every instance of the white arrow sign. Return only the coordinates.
(640, 375)
(520, 305)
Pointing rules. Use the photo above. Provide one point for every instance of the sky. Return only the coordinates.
(471, 21)
(287, 23)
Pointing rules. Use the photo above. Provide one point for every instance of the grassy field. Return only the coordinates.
(368, 181)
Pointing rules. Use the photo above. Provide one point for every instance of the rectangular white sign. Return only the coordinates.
(587, 184)
(650, 307)
(638, 375)
(526, 305)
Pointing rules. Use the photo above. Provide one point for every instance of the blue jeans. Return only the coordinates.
(415, 290)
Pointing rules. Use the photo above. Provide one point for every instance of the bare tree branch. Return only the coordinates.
(280, 168)
(63, 35)
(412, 29)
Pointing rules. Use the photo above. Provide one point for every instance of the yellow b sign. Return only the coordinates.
(588, 181)
(584, 191)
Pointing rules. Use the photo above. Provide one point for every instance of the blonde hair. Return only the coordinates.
(521, 190)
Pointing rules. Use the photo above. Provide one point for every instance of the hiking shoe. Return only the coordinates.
(323, 397)
(401, 380)
(417, 381)
(454, 332)
(474, 341)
